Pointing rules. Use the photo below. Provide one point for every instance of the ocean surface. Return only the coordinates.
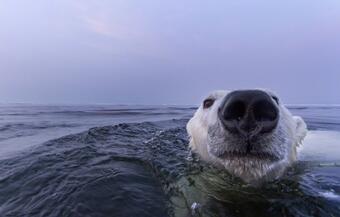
(126, 161)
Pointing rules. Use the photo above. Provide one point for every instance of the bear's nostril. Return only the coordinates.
(235, 111)
(264, 111)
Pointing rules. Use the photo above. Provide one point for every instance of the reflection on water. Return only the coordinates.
(24, 126)
(145, 169)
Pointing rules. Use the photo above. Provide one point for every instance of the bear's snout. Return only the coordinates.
(249, 112)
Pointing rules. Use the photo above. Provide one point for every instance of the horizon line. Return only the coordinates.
(151, 104)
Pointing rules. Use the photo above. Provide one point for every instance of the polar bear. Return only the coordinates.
(248, 132)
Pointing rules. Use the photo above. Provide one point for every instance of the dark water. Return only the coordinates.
(134, 161)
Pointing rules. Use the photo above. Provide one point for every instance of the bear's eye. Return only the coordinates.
(208, 103)
(275, 99)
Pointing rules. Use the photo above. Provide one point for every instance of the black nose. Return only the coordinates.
(249, 112)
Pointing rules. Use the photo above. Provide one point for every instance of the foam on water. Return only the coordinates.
(330, 195)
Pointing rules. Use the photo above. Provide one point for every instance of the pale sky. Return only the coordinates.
(167, 52)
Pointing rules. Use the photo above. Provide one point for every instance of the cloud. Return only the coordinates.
(100, 27)
(119, 32)
(108, 22)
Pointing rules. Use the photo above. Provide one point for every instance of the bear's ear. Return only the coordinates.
(301, 129)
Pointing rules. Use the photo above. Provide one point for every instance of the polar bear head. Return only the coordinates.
(248, 132)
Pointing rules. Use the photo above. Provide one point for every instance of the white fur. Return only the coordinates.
(292, 127)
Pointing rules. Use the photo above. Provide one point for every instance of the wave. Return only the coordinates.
(98, 172)
(146, 169)
(34, 126)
